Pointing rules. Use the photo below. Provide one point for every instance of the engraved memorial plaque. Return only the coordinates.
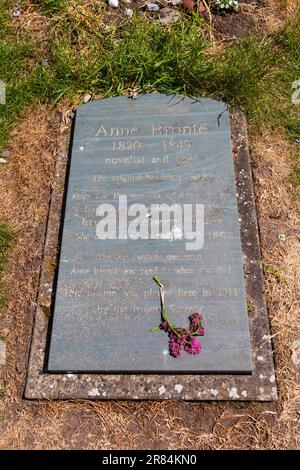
(129, 158)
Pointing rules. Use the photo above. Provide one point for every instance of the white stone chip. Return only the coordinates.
(94, 392)
(128, 12)
(261, 358)
(153, 7)
(113, 3)
(178, 388)
(274, 392)
(233, 393)
(87, 97)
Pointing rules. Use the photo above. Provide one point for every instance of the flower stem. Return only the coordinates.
(163, 309)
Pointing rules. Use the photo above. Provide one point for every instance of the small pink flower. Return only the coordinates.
(202, 8)
(164, 326)
(193, 346)
(195, 319)
(175, 347)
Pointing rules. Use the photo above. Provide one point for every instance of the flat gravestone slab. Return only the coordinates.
(153, 150)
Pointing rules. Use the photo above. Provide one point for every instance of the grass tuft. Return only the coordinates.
(52, 6)
(6, 237)
(276, 273)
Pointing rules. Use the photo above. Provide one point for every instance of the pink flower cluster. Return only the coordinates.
(185, 338)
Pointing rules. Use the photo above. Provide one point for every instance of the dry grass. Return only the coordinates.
(24, 188)
(277, 11)
(278, 214)
(32, 21)
(284, 7)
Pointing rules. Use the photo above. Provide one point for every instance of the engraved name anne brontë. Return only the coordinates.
(159, 129)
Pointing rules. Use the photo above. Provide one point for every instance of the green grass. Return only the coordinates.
(16, 65)
(6, 237)
(254, 73)
(53, 6)
(276, 273)
(142, 55)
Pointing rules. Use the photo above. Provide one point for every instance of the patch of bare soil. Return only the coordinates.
(249, 19)
(254, 17)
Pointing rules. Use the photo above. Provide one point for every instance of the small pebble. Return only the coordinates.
(16, 13)
(45, 62)
(128, 12)
(113, 3)
(5, 153)
(175, 3)
(295, 347)
(188, 4)
(166, 11)
(2, 160)
(171, 17)
(2, 352)
(87, 98)
(281, 237)
(153, 7)
(296, 358)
